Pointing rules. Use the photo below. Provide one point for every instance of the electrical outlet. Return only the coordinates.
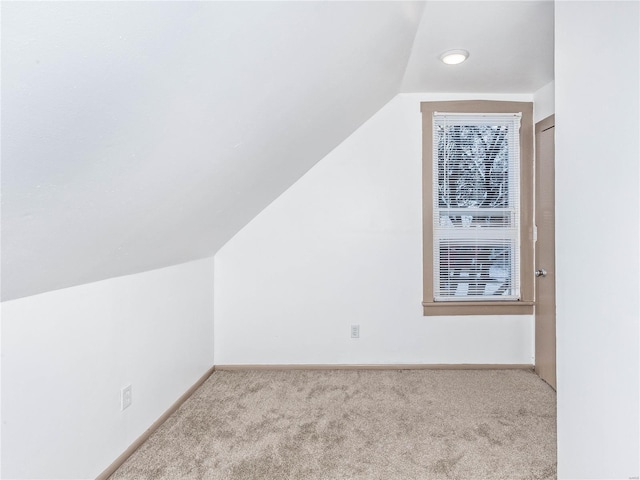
(355, 331)
(125, 397)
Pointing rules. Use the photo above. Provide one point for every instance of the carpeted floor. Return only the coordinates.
(367, 424)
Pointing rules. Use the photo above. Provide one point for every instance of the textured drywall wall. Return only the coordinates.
(66, 355)
(597, 185)
(544, 102)
(343, 246)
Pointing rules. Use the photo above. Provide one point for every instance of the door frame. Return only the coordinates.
(545, 315)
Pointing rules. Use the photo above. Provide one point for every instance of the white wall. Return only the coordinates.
(343, 246)
(67, 353)
(597, 184)
(544, 102)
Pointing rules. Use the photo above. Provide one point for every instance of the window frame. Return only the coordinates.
(524, 306)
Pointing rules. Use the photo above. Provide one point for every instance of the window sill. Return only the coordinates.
(431, 309)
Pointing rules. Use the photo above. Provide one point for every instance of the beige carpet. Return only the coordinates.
(387, 425)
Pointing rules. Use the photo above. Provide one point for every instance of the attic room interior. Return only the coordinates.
(201, 192)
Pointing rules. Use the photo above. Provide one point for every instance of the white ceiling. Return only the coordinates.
(510, 45)
(137, 135)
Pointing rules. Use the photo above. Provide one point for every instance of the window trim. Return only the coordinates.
(524, 306)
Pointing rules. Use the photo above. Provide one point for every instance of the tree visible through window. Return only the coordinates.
(474, 235)
(476, 214)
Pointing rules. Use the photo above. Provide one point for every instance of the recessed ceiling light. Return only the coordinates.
(454, 57)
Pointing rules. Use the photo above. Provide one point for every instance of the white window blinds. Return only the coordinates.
(476, 206)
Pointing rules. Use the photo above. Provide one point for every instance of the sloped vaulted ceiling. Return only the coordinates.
(136, 135)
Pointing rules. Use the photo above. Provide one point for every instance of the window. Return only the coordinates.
(478, 231)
